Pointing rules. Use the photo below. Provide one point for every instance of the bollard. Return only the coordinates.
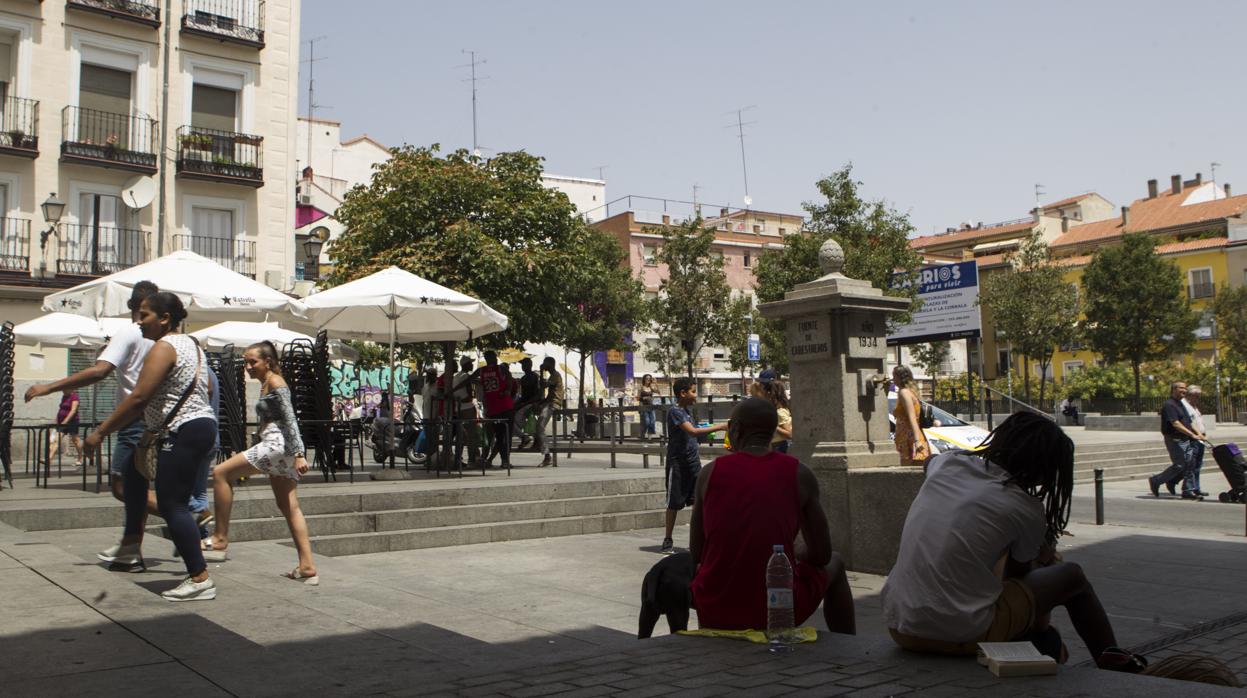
(1099, 496)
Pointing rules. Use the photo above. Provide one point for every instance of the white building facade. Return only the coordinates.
(206, 165)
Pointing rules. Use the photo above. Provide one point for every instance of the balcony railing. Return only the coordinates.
(239, 21)
(204, 153)
(141, 11)
(14, 245)
(1201, 290)
(232, 253)
(96, 250)
(19, 127)
(105, 139)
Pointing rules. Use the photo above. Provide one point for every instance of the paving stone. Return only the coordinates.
(864, 680)
(588, 692)
(883, 690)
(820, 678)
(596, 679)
(649, 691)
(543, 689)
(491, 688)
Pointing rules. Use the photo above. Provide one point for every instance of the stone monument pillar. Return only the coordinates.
(836, 330)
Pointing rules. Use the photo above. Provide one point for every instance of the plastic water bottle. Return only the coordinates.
(779, 614)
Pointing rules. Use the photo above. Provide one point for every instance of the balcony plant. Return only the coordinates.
(196, 141)
(245, 139)
(17, 137)
(110, 144)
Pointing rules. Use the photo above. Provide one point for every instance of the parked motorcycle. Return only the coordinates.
(388, 438)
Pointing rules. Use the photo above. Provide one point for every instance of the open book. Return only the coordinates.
(1015, 659)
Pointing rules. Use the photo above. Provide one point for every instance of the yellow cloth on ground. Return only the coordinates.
(804, 634)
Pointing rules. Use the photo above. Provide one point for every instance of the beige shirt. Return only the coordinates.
(785, 420)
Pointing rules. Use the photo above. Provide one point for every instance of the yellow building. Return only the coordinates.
(1197, 224)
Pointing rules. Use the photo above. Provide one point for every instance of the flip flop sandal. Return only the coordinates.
(210, 554)
(297, 575)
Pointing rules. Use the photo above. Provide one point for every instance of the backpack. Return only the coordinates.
(926, 415)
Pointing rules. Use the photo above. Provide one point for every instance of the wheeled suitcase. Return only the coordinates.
(1234, 466)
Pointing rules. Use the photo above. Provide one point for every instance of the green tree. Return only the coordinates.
(1033, 307)
(739, 312)
(931, 356)
(607, 302)
(1137, 309)
(691, 310)
(487, 228)
(875, 238)
(1230, 308)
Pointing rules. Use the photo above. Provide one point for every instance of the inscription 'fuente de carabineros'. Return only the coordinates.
(810, 341)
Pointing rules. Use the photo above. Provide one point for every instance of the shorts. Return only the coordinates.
(70, 429)
(809, 587)
(1013, 616)
(681, 483)
(123, 450)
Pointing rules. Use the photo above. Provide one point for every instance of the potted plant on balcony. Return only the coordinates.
(16, 138)
(245, 139)
(110, 145)
(196, 141)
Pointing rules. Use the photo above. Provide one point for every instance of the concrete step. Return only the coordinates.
(446, 536)
(254, 500)
(350, 523)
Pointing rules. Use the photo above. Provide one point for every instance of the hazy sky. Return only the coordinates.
(952, 111)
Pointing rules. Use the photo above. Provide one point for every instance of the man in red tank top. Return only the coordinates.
(496, 387)
(748, 502)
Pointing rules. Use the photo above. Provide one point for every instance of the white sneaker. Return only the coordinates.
(122, 555)
(190, 590)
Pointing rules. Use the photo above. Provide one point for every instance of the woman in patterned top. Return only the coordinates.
(279, 455)
(175, 367)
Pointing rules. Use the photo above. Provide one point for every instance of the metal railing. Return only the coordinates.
(14, 244)
(95, 250)
(142, 11)
(92, 136)
(232, 253)
(220, 154)
(1201, 290)
(19, 124)
(241, 21)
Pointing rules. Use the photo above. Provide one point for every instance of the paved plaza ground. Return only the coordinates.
(556, 616)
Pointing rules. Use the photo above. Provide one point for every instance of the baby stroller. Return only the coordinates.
(1232, 462)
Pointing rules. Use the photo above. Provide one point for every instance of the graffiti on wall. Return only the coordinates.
(348, 380)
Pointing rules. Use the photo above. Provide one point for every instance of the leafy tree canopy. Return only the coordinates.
(1136, 309)
(875, 238)
(487, 228)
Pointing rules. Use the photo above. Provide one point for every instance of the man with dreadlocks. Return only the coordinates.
(977, 559)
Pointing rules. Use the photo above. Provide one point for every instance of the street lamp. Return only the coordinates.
(53, 208)
(312, 247)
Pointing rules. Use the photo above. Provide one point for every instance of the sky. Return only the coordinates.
(950, 111)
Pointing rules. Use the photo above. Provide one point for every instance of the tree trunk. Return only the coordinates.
(1138, 406)
(1043, 379)
(580, 404)
(1026, 377)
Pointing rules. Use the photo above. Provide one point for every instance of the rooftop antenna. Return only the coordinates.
(696, 204)
(601, 170)
(311, 61)
(740, 133)
(1215, 165)
(471, 64)
(1038, 193)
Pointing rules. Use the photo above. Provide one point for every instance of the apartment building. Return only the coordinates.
(741, 236)
(206, 165)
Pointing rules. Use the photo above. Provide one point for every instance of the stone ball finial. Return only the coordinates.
(831, 257)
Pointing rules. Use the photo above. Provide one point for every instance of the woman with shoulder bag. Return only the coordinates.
(279, 455)
(911, 442)
(172, 397)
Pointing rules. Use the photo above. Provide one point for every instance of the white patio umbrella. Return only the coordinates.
(241, 335)
(205, 287)
(68, 330)
(399, 306)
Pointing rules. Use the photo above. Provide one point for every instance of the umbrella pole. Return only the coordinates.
(393, 416)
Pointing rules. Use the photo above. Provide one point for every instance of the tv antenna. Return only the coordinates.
(1215, 165)
(601, 171)
(1038, 193)
(740, 133)
(471, 64)
(311, 62)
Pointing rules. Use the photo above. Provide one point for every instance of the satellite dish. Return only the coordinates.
(139, 192)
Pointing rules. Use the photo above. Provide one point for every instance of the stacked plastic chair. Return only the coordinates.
(322, 400)
(232, 416)
(298, 367)
(6, 400)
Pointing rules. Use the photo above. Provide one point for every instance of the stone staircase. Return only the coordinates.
(1125, 461)
(370, 520)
